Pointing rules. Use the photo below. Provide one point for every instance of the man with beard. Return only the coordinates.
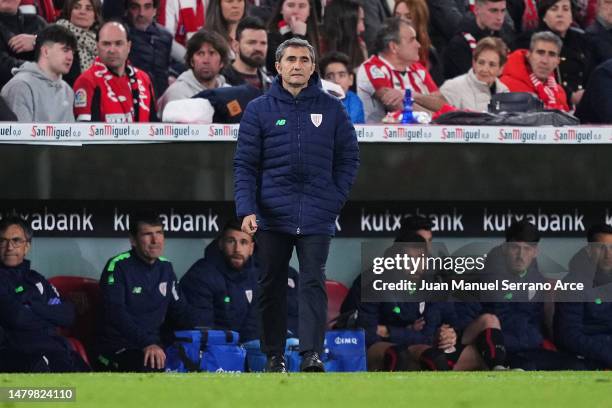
(251, 48)
(207, 54)
(222, 285)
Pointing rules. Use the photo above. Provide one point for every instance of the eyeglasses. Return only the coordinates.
(15, 242)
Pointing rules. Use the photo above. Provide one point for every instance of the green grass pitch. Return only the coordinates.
(372, 390)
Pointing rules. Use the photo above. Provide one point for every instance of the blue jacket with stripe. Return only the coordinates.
(296, 160)
(31, 310)
(136, 299)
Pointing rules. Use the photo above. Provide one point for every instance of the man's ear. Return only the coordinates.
(351, 79)
(277, 66)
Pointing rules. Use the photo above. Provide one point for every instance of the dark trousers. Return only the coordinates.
(541, 359)
(53, 361)
(274, 253)
(125, 360)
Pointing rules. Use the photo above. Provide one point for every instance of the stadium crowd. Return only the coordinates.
(128, 61)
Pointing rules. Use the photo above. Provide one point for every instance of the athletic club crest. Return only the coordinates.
(316, 119)
(163, 287)
(249, 295)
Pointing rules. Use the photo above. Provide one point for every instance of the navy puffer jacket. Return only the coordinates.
(294, 174)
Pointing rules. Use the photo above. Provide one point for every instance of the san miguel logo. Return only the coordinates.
(405, 133)
(463, 134)
(9, 131)
(574, 135)
(223, 131)
(519, 135)
(51, 131)
(171, 130)
(115, 131)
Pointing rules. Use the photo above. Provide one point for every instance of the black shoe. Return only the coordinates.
(276, 364)
(311, 363)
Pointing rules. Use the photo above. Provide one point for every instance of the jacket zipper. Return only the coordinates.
(300, 167)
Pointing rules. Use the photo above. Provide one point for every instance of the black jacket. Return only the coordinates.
(6, 114)
(596, 104)
(601, 42)
(11, 25)
(151, 53)
(458, 53)
(31, 310)
(136, 299)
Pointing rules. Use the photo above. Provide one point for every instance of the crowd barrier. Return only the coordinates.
(91, 133)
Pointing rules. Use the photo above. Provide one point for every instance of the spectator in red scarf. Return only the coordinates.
(533, 70)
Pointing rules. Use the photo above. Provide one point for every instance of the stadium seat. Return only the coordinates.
(336, 292)
(84, 293)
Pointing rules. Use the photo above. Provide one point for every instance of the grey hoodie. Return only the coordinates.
(36, 98)
(185, 86)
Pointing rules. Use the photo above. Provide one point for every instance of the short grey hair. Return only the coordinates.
(294, 42)
(389, 32)
(547, 36)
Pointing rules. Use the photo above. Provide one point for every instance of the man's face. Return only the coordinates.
(604, 10)
(490, 15)
(148, 242)
(600, 251)
(59, 56)
(206, 63)
(338, 74)
(113, 46)
(408, 47)
(295, 67)
(519, 256)
(237, 247)
(427, 236)
(141, 13)
(9, 6)
(543, 59)
(14, 246)
(559, 17)
(253, 47)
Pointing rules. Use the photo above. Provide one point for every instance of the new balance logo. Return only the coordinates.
(281, 122)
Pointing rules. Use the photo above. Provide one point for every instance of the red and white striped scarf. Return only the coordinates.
(546, 92)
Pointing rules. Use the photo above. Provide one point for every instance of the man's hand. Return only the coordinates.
(393, 99)
(418, 324)
(22, 43)
(447, 337)
(154, 357)
(249, 224)
(382, 331)
(576, 97)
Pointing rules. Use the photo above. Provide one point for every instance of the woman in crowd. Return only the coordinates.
(342, 30)
(576, 61)
(473, 91)
(82, 18)
(417, 13)
(223, 17)
(291, 18)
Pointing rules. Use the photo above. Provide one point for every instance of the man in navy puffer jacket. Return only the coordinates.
(222, 285)
(296, 160)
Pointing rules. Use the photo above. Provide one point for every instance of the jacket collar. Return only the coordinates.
(313, 89)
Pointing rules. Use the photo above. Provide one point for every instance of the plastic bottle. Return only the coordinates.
(407, 116)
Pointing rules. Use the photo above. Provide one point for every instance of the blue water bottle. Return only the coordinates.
(407, 111)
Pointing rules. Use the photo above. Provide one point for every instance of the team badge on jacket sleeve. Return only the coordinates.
(163, 287)
(249, 295)
(316, 119)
